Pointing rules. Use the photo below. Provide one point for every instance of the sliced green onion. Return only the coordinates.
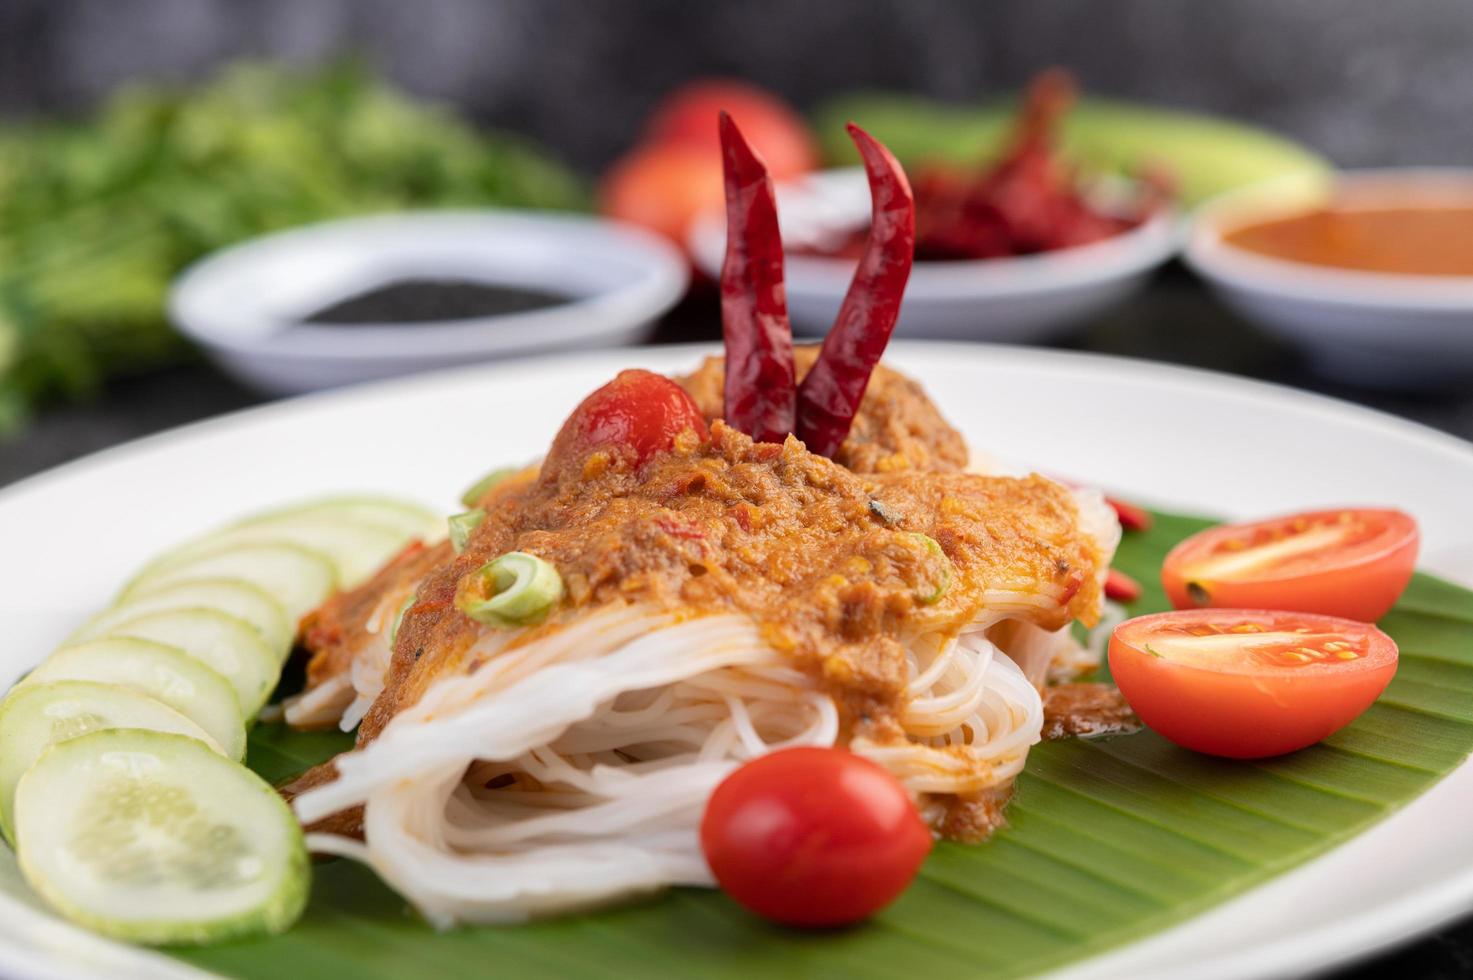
(477, 490)
(399, 619)
(516, 589)
(461, 526)
(927, 596)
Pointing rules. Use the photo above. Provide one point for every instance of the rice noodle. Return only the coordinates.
(970, 727)
(571, 768)
(345, 698)
(320, 706)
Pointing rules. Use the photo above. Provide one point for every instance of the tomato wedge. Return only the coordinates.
(1349, 562)
(1249, 683)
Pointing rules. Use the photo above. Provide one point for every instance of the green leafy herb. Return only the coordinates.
(97, 216)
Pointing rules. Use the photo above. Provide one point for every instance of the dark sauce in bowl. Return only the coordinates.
(434, 300)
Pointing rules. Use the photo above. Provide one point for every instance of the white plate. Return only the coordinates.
(1380, 329)
(1024, 299)
(1189, 439)
(243, 305)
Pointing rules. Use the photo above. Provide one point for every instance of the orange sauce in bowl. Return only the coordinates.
(1428, 241)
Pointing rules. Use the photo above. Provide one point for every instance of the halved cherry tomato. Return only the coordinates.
(633, 417)
(813, 837)
(1249, 683)
(1350, 562)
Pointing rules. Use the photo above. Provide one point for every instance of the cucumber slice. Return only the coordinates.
(34, 716)
(230, 596)
(411, 520)
(356, 549)
(296, 577)
(162, 673)
(153, 838)
(226, 645)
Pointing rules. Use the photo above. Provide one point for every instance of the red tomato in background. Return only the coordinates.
(1246, 684)
(636, 415)
(663, 188)
(674, 174)
(813, 837)
(687, 116)
(1347, 562)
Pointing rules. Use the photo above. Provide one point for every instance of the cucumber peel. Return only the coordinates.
(153, 838)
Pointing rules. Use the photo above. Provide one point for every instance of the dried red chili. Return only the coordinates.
(760, 388)
(1028, 201)
(1132, 518)
(1121, 587)
(830, 395)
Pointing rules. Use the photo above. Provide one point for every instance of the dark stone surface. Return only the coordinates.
(1365, 81)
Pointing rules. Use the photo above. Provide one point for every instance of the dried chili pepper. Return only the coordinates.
(760, 388)
(1121, 587)
(1029, 200)
(830, 395)
(1132, 518)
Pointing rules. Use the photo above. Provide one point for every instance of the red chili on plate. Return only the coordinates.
(1249, 683)
(1348, 562)
(813, 837)
(1121, 587)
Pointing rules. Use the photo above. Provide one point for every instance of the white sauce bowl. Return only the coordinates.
(1381, 329)
(1017, 300)
(244, 305)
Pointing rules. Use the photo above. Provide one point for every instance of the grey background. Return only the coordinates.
(1365, 81)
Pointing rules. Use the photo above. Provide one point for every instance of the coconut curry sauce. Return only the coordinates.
(898, 428)
(1430, 241)
(338, 631)
(830, 564)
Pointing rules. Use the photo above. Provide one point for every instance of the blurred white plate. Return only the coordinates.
(1024, 299)
(1373, 328)
(243, 305)
(1193, 440)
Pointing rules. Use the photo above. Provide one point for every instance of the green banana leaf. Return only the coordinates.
(1204, 155)
(1107, 840)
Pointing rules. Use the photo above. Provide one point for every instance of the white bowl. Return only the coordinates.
(1016, 300)
(244, 305)
(1380, 329)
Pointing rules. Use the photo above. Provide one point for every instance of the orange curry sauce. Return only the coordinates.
(1430, 241)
